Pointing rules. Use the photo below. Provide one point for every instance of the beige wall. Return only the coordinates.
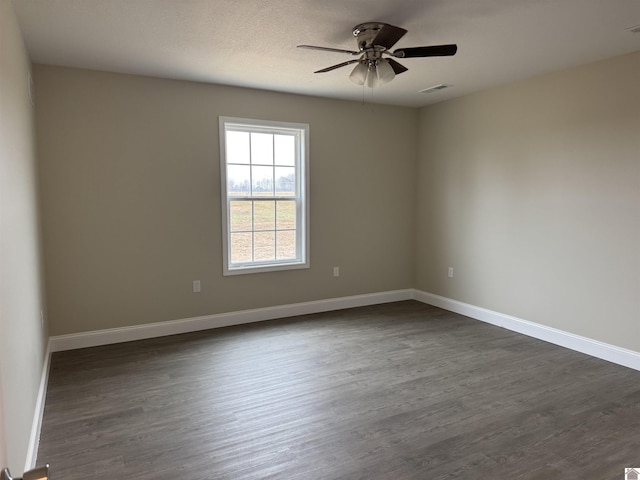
(131, 198)
(532, 193)
(21, 333)
(3, 448)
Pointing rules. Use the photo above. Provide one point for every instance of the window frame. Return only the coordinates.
(301, 132)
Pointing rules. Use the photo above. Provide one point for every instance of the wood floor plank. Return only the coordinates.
(395, 391)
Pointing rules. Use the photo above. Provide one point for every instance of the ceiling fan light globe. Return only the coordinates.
(359, 74)
(372, 77)
(385, 72)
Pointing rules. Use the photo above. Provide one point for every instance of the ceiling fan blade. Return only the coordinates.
(397, 67)
(388, 36)
(327, 49)
(333, 67)
(432, 51)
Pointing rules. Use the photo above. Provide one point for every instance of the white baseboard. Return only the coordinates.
(160, 329)
(36, 424)
(604, 351)
(620, 356)
(611, 353)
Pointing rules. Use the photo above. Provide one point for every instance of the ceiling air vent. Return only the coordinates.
(435, 88)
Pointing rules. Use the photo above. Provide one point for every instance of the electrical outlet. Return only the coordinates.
(336, 271)
(450, 272)
(196, 286)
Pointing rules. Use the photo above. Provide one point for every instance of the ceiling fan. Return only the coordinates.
(374, 40)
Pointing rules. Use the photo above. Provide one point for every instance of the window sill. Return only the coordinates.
(265, 268)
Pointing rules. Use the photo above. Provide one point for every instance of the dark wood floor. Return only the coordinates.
(396, 391)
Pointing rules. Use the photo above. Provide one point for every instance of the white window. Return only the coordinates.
(264, 172)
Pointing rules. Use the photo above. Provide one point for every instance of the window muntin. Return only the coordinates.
(264, 187)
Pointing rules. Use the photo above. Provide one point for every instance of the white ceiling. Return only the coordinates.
(252, 43)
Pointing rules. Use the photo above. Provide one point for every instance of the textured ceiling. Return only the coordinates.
(252, 43)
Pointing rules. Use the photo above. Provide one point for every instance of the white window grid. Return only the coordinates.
(300, 227)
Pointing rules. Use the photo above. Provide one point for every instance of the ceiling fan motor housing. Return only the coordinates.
(366, 32)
